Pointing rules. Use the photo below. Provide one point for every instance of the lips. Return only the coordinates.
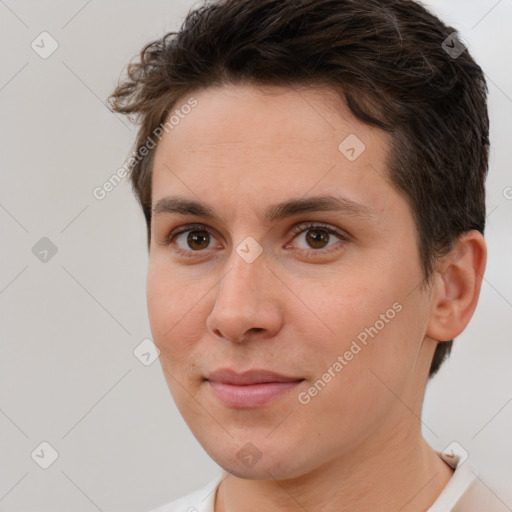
(253, 388)
(255, 376)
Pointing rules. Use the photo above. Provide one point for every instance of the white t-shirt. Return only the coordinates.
(465, 492)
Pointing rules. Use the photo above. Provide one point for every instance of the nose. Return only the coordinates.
(248, 302)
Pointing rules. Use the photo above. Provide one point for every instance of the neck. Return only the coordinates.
(387, 473)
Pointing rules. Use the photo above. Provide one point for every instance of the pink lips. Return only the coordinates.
(249, 389)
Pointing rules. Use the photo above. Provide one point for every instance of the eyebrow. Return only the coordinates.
(274, 212)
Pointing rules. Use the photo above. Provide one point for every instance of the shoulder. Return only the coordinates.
(466, 491)
(479, 496)
(200, 500)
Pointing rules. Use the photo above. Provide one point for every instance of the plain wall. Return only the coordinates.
(68, 328)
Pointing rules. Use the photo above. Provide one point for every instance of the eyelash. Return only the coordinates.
(296, 230)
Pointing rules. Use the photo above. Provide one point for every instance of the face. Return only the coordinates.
(311, 306)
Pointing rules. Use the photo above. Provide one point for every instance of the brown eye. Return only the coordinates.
(319, 239)
(191, 239)
(198, 239)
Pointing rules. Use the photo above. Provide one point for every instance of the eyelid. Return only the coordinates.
(168, 239)
(184, 228)
(295, 230)
(304, 226)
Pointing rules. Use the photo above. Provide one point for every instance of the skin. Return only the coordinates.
(357, 445)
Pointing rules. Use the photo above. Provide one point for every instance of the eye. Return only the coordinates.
(197, 238)
(316, 237)
(192, 238)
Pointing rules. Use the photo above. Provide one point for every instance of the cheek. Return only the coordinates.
(173, 309)
(347, 305)
(373, 322)
(379, 350)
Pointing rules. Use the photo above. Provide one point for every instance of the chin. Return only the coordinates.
(250, 464)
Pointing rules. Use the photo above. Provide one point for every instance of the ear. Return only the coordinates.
(456, 287)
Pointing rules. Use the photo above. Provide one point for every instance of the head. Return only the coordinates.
(254, 104)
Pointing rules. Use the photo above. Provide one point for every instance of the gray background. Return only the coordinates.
(68, 375)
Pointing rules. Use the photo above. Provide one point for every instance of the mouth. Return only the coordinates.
(253, 388)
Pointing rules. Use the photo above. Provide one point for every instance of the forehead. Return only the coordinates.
(270, 142)
(234, 118)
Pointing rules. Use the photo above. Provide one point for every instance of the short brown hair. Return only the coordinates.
(389, 59)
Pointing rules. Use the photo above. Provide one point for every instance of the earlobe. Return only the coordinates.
(457, 287)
